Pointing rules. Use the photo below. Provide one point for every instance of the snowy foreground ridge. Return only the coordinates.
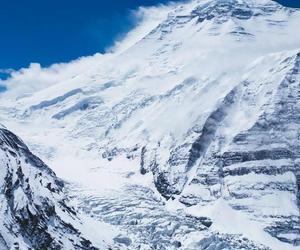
(185, 136)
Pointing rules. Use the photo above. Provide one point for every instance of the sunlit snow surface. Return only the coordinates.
(186, 135)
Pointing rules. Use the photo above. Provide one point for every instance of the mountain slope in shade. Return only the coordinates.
(34, 212)
(188, 138)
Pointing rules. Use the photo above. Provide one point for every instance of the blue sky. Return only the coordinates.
(50, 31)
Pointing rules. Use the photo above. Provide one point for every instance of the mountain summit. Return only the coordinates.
(186, 137)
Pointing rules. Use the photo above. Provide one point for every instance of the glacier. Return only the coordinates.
(183, 136)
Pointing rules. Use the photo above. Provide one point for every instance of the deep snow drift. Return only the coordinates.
(186, 135)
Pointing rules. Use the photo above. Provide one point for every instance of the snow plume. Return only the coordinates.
(6, 71)
(146, 19)
(34, 78)
(26, 81)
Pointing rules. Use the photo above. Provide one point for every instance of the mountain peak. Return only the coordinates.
(196, 120)
(222, 10)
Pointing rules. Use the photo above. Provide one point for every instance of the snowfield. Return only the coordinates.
(185, 135)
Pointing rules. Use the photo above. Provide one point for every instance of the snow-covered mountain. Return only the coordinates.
(34, 211)
(186, 135)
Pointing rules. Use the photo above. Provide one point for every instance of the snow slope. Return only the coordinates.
(202, 111)
(34, 212)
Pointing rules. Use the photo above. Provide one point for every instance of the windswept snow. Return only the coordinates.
(186, 134)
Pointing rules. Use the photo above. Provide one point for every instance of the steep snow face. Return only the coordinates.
(202, 111)
(255, 165)
(33, 209)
